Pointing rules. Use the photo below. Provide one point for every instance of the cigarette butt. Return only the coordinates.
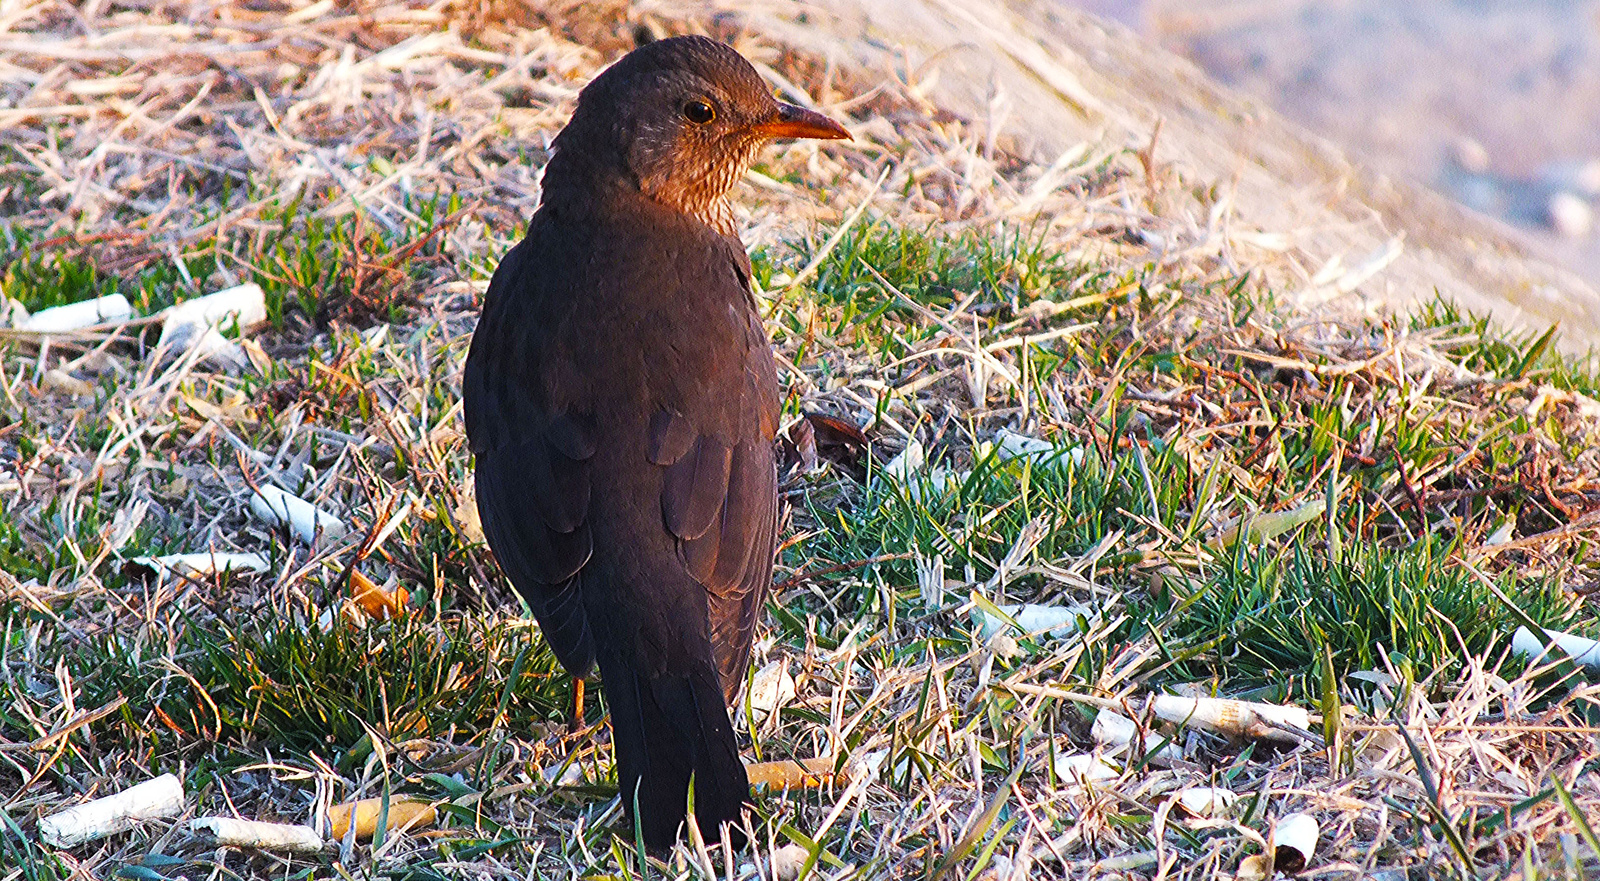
(303, 519)
(152, 799)
(1252, 868)
(1077, 769)
(812, 773)
(1294, 842)
(379, 604)
(59, 380)
(788, 860)
(244, 306)
(110, 309)
(1262, 527)
(1581, 650)
(230, 832)
(568, 774)
(1233, 718)
(1113, 729)
(404, 813)
(199, 565)
(1206, 801)
(771, 689)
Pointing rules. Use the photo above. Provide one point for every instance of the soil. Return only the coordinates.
(1492, 104)
(1049, 78)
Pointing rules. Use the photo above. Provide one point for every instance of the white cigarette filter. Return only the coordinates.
(787, 861)
(229, 832)
(1080, 768)
(1294, 842)
(1012, 445)
(303, 519)
(150, 800)
(109, 309)
(1233, 718)
(1581, 650)
(1206, 801)
(242, 305)
(1113, 729)
(1262, 527)
(195, 324)
(1056, 622)
(203, 564)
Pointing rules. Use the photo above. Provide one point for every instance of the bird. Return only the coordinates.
(621, 403)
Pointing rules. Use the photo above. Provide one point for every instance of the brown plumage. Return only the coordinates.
(621, 400)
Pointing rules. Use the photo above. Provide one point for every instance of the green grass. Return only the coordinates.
(307, 267)
(309, 687)
(314, 269)
(1251, 617)
(1266, 615)
(1185, 402)
(50, 278)
(1487, 349)
(1167, 431)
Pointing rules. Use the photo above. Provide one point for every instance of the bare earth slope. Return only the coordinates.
(1062, 77)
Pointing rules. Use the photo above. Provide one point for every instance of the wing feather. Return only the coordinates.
(532, 474)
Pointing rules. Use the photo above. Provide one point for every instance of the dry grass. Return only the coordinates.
(367, 163)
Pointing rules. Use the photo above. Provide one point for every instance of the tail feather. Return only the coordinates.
(664, 732)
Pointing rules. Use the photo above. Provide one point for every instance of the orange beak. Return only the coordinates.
(798, 122)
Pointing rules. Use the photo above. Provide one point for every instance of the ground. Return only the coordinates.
(1117, 414)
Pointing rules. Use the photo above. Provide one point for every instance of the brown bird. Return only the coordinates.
(622, 401)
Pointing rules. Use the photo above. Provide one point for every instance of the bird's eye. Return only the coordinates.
(698, 112)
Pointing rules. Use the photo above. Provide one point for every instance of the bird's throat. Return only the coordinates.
(712, 209)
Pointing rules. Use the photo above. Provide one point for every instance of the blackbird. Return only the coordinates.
(621, 400)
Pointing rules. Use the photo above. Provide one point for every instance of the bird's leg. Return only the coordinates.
(575, 721)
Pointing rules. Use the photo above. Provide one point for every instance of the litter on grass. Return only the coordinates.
(379, 603)
(1235, 718)
(1032, 619)
(230, 832)
(1264, 527)
(1580, 649)
(200, 565)
(196, 324)
(304, 520)
(110, 309)
(1010, 445)
(1081, 768)
(404, 813)
(150, 800)
(1115, 730)
(1206, 801)
(771, 688)
(1294, 842)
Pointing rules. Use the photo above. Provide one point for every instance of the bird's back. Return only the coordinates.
(621, 400)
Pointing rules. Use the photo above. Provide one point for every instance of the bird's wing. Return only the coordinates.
(533, 467)
(719, 492)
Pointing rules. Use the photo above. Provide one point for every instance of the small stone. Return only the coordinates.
(1588, 178)
(999, 869)
(1471, 156)
(787, 861)
(58, 380)
(771, 689)
(1570, 215)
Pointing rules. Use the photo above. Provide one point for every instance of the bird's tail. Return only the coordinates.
(664, 731)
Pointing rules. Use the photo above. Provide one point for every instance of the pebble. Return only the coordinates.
(1570, 215)
(1471, 156)
(1588, 178)
(61, 381)
(787, 861)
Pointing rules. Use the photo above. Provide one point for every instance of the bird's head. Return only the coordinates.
(682, 118)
